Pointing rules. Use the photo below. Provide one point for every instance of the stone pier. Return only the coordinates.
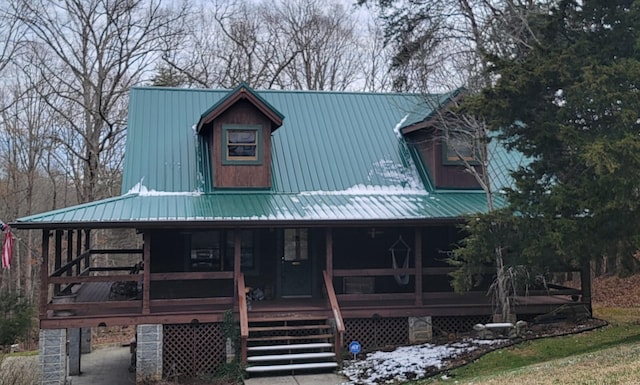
(53, 356)
(149, 353)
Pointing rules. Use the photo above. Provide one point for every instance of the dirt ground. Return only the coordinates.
(612, 291)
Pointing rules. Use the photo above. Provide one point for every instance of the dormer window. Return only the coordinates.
(237, 130)
(460, 146)
(241, 144)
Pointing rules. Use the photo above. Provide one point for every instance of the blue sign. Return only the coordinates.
(355, 347)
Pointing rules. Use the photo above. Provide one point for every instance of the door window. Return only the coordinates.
(296, 243)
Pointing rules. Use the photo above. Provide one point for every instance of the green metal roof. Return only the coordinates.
(328, 141)
(264, 209)
(337, 157)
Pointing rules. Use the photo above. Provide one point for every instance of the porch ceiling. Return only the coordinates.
(261, 208)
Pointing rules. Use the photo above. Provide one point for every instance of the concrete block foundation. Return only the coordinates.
(149, 353)
(53, 356)
(420, 330)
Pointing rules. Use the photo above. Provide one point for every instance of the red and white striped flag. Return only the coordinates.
(7, 248)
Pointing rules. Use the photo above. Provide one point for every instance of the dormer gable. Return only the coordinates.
(444, 147)
(237, 131)
(241, 92)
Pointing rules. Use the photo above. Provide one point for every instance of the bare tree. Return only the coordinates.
(299, 44)
(233, 44)
(453, 40)
(26, 123)
(90, 53)
(324, 36)
(375, 58)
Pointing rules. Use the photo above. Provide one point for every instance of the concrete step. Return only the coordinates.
(285, 317)
(277, 368)
(283, 327)
(318, 345)
(291, 338)
(295, 356)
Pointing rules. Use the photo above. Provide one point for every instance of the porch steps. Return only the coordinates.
(321, 345)
(289, 343)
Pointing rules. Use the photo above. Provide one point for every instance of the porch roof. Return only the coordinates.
(152, 209)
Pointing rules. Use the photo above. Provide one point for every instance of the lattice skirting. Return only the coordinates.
(192, 349)
(379, 333)
(376, 333)
(444, 326)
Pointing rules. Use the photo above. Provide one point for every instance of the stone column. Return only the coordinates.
(74, 351)
(149, 353)
(420, 330)
(85, 343)
(53, 356)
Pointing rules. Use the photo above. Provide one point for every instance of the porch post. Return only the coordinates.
(146, 274)
(44, 274)
(87, 247)
(585, 283)
(418, 267)
(237, 245)
(329, 251)
(69, 249)
(79, 252)
(57, 262)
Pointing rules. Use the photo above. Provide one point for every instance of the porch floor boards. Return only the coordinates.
(295, 308)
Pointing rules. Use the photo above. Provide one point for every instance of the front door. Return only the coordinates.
(295, 265)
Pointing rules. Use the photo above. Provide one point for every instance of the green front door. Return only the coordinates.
(295, 265)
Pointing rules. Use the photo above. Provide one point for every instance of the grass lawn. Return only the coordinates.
(609, 355)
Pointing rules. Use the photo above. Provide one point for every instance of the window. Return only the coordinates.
(460, 146)
(247, 249)
(214, 250)
(241, 144)
(296, 244)
(206, 251)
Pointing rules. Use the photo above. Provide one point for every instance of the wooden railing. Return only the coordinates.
(244, 319)
(337, 315)
(549, 290)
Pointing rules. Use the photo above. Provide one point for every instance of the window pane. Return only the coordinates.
(295, 244)
(460, 146)
(249, 151)
(247, 248)
(242, 137)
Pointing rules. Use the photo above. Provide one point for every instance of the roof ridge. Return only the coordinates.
(327, 92)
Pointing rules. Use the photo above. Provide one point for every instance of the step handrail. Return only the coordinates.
(244, 318)
(337, 315)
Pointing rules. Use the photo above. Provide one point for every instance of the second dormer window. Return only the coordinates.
(460, 146)
(241, 144)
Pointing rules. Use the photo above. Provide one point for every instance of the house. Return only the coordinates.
(307, 219)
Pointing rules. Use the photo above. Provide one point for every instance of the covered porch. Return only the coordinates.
(81, 294)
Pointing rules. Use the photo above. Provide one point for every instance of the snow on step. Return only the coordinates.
(299, 356)
(275, 368)
(318, 345)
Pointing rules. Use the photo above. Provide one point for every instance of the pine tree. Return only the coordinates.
(572, 105)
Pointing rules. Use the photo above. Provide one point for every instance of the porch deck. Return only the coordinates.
(95, 304)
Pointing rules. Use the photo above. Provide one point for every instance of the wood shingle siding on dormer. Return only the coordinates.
(443, 174)
(251, 174)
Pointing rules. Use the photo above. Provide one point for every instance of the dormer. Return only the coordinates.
(237, 130)
(445, 148)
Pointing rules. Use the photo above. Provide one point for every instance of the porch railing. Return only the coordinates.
(244, 319)
(68, 279)
(337, 315)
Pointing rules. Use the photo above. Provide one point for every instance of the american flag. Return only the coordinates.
(7, 247)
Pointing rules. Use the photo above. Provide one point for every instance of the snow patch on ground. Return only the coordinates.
(408, 362)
